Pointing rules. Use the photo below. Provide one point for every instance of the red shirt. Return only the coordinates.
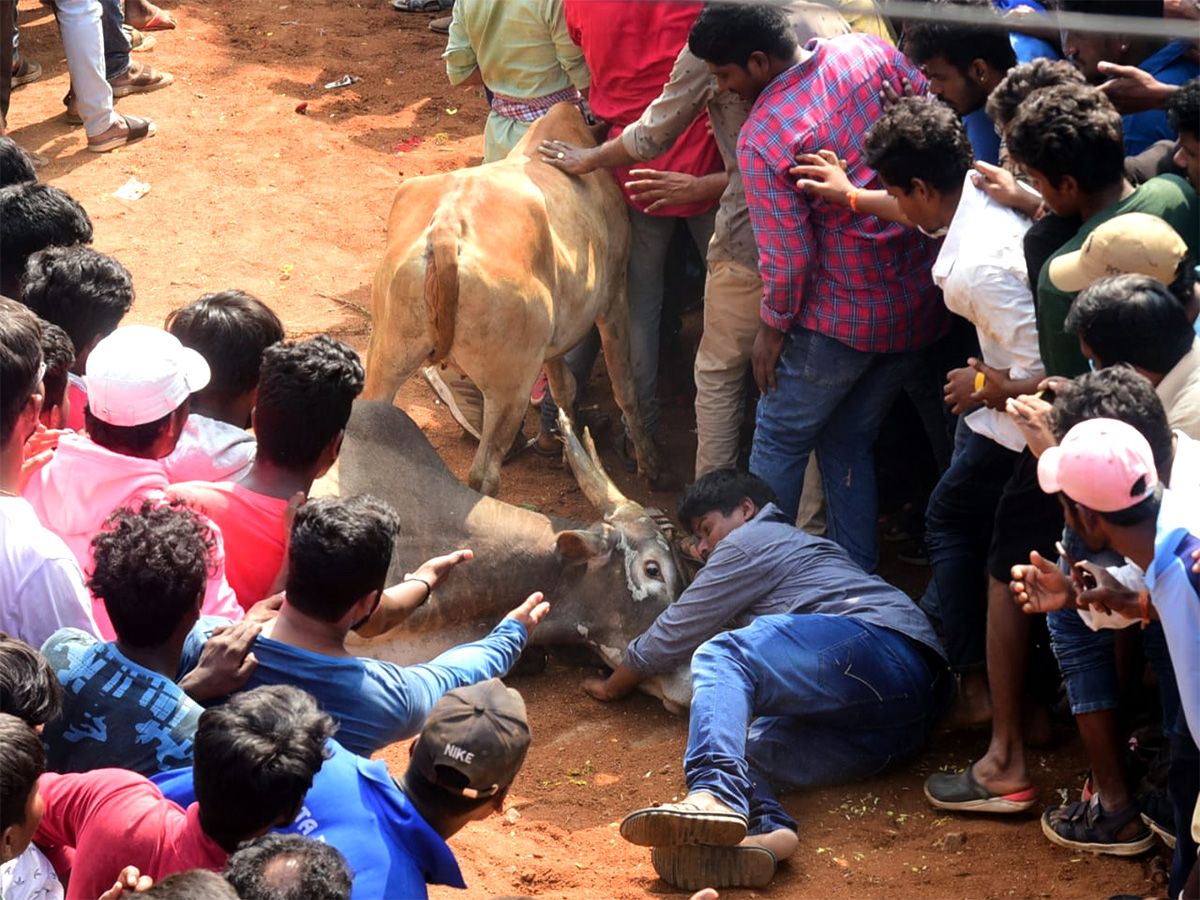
(630, 50)
(252, 527)
(112, 818)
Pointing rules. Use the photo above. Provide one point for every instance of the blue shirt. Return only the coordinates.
(770, 566)
(1175, 591)
(1169, 65)
(115, 713)
(1026, 47)
(356, 806)
(981, 134)
(376, 703)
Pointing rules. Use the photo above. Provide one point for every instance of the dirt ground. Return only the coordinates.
(245, 192)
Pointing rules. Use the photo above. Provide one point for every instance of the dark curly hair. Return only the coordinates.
(15, 165)
(288, 867)
(254, 759)
(340, 551)
(1021, 81)
(151, 563)
(960, 43)
(1070, 130)
(194, 884)
(230, 329)
(919, 137)
(29, 689)
(721, 490)
(59, 356)
(305, 391)
(1183, 109)
(22, 762)
(1120, 393)
(728, 33)
(83, 292)
(34, 216)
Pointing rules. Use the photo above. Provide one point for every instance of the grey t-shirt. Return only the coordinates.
(765, 567)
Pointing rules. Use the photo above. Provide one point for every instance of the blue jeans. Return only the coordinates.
(832, 398)
(833, 698)
(958, 531)
(116, 42)
(645, 278)
(1088, 664)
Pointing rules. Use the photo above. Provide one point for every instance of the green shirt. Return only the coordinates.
(522, 49)
(1170, 198)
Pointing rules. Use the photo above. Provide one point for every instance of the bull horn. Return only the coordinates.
(585, 464)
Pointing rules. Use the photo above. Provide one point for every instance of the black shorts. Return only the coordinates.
(1027, 518)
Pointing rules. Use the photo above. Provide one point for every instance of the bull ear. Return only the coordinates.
(582, 546)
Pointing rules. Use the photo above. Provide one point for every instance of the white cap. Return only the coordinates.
(138, 374)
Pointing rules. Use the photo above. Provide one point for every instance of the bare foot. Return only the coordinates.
(999, 778)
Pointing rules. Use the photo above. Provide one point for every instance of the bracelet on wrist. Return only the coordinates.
(1144, 607)
(428, 589)
(852, 196)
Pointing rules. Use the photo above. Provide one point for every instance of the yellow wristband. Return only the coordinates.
(854, 192)
(980, 381)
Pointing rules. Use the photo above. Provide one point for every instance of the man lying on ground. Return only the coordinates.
(829, 659)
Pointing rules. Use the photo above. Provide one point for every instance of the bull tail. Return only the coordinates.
(441, 285)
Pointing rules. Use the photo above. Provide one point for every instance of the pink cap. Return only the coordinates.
(1103, 464)
(138, 374)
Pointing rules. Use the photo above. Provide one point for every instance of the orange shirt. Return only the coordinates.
(252, 527)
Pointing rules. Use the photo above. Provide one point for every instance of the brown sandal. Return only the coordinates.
(137, 129)
(142, 79)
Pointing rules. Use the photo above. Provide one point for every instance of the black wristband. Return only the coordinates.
(428, 589)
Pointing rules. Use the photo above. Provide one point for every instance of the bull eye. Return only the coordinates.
(653, 570)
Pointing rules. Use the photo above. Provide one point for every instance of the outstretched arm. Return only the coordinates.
(401, 600)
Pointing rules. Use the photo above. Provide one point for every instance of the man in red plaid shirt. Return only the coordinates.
(848, 300)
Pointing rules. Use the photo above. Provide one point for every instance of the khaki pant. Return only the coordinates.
(732, 295)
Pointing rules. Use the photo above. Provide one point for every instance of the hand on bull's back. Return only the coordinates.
(532, 611)
(435, 570)
(566, 157)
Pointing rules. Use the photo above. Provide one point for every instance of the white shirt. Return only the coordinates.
(29, 877)
(981, 271)
(41, 584)
(210, 450)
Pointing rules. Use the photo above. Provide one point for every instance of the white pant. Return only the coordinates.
(83, 42)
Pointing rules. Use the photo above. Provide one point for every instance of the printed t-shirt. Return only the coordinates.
(115, 712)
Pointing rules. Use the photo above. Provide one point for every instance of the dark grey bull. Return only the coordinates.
(606, 582)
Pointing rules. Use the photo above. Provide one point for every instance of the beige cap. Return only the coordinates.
(1132, 244)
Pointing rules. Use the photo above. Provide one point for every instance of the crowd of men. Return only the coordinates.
(949, 212)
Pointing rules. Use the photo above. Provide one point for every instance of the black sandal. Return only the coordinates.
(1088, 826)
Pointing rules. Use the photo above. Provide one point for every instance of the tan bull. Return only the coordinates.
(498, 270)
